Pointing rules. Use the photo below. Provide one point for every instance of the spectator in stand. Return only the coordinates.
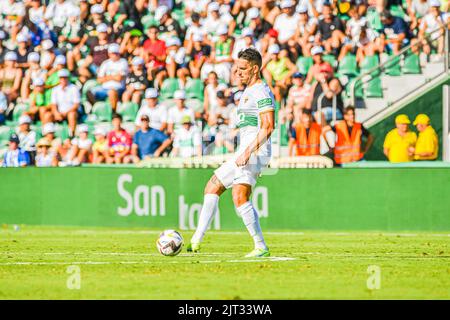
(306, 29)
(119, 142)
(10, 77)
(154, 56)
(111, 76)
(40, 107)
(15, 157)
(246, 41)
(48, 132)
(176, 62)
(156, 113)
(320, 66)
(395, 33)
(278, 72)
(222, 54)
(305, 136)
(299, 95)
(44, 157)
(2, 47)
(400, 142)
(3, 107)
(349, 145)
(176, 114)
(188, 140)
(34, 71)
(259, 25)
(147, 142)
(168, 27)
(13, 12)
(100, 146)
(286, 23)
(27, 137)
(331, 31)
(136, 82)
(199, 53)
(81, 147)
(65, 101)
(427, 145)
(210, 93)
(417, 9)
(430, 24)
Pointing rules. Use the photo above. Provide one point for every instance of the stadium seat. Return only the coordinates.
(373, 19)
(303, 64)
(102, 111)
(392, 67)
(411, 64)
(373, 87)
(62, 131)
(5, 132)
(348, 66)
(368, 63)
(194, 89)
(148, 21)
(168, 88)
(397, 11)
(358, 88)
(128, 110)
(88, 85)
(331, 59)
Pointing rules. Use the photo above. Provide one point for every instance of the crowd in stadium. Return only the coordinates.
(108, 81)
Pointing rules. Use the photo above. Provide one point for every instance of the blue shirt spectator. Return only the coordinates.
(148, 140)
(15, 157)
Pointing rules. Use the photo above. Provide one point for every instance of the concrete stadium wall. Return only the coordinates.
(322, 199)
(429, 103)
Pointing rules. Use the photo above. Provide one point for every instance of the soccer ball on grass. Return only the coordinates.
(169, 243)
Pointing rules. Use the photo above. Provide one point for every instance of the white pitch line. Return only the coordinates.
(268, 259)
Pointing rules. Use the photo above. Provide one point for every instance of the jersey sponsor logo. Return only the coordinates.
(264, 103)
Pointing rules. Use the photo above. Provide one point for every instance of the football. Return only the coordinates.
(169, 243)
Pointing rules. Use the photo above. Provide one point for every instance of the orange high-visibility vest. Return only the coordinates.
(308, 145)
(348, 148)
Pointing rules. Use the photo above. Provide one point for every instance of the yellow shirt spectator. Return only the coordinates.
(427, 142)
(398, 145)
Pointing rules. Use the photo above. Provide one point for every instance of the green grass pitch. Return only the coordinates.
(124, 264)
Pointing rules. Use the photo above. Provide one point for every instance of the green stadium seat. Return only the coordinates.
(195, 89)
(168, 88)
(411, 64)
(331, 59)
(5, 132)
(392, 68)
(397, 11)
(303, 64)
(358, 89)
(62, 131)
(102, 111)
(373, 88)
(128, 110)
(348, 66)
(373, 19)
(368, 63)
(19, 109)
(148, 21)
(88, 85)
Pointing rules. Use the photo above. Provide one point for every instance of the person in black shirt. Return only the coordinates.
(130, 14)
(331, 31)
(199, 54)
(136, 81)
(167, 25)
(259, 25)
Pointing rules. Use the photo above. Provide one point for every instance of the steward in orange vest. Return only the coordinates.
(307, 136)
(348, 147)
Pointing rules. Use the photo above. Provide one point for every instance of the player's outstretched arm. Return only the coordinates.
(266, 129)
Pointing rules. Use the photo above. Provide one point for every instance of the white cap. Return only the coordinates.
(47, 44)
(11, 56)
(253, 13)
(33, 57)
(113, 48)
(137, 61)
(213, 6)
(99, 131)
(274, 49)
(102, 27)
(160, 12)
(24, 119)
(197, 37)
(63, 73)
(316, 50)
(38, 82)
(434, 3)
(21, 38)
(286, 4)
(222, 29)
(247, 32)
(82, 128)
(48, 128)
(179, 94)
(60, 60)
(2, 35)
(173, 41)
(97, 9)
(225, 8)
(151, 93)
(74, 11)
(302, 9)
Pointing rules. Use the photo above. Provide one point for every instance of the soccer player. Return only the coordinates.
(256, 124)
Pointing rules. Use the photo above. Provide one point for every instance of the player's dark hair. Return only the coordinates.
(251, 55)
(349, 108)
